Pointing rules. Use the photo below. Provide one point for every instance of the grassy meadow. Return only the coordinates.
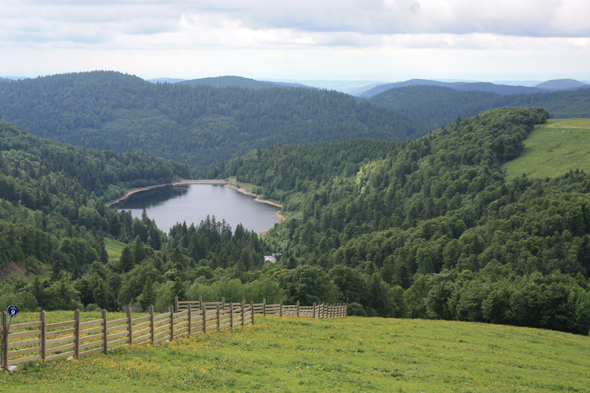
(553, 149)
(338, 355)
(114, 248)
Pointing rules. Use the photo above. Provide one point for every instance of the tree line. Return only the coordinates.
(441, 105)
(428, 219)
(198, 125)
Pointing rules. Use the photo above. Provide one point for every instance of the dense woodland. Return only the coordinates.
(441, 105)
(430, 229)
(198, 125)
(425, 229)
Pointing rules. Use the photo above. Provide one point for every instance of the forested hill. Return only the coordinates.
(462, 86)
(37, 165)
(51, 209)
(197, 125)
(441, 105)
(429, 228)
(229, 81)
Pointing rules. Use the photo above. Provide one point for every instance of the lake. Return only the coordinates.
(193, 202)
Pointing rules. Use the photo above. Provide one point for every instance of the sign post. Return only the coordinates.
(12, 311)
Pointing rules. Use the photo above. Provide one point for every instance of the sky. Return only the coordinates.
(370, 40)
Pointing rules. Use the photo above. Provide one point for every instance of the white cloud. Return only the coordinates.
(284, 30)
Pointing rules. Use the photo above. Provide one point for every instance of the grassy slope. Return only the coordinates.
(114, 248)
(553, 149)
(353, 354)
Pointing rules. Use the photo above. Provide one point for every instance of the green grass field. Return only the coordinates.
(338, 355)
(114, 248)
(553, 149)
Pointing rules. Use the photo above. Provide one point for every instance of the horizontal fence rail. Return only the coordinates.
(39, 340)
(318, 310)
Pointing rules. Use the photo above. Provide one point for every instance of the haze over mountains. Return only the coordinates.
(368, 89)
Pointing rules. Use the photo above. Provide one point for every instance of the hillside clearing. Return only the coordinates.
(114, 248)
(553, 149)
(352, 354)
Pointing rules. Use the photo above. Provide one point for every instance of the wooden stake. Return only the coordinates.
(176, 303)
(4, 343)
(217, 309)
(171, 323)
(264, 307)
(189, 319)
(204, 318)
(313, 311)
(231, 316)
(129, 325)
(297, 308)
(77, 334)
(42, 335)
(252, 311)
(281, 309)
(105, 337)
(152, 333)
(243, 307)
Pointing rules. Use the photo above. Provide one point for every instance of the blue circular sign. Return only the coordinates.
(12, 311)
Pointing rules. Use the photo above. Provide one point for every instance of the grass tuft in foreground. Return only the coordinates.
(340, 355)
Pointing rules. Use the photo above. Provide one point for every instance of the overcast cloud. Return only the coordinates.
(258, 38)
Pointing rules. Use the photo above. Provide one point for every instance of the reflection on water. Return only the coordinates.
(193, 203)
(152, 198)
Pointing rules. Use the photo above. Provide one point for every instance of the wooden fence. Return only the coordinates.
(50, 341)
(321, 310)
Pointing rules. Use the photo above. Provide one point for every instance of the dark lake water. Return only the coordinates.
(192, 203)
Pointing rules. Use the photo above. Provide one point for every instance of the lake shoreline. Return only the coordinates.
(179, 183)
(206, 182)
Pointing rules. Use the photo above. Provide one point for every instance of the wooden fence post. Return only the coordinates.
(171, 309)
(176, 303)
(313, 311)
(281, 308)
(4, 344)
(204, 318)
(217, 309)
(252, 311)
(264, 307)
(189, 319)
(77, 334)
(346, 309)
(297, 308)
(42, 335)
(200, 302)
(152, 333)
(243, 307)
(105, 333)
(223, 303)
(129, 325)
(231, 316)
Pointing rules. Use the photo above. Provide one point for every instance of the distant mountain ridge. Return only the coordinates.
(166, 80)
(228, 81)
(561, 84)
(438, 105)
(198, 125)
(465, 86)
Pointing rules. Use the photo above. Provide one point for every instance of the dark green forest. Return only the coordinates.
(429, 228)
(198, 125)
(426, 228)
(52, 210)
(441, 105)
